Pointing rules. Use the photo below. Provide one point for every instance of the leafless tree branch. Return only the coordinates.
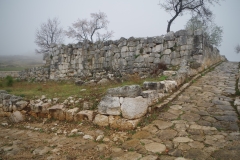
(49, 32)
(179, 7)
(84, 30)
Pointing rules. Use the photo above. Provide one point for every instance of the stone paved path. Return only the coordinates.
(201, 123)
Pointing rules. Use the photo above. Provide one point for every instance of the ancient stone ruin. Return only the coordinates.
(95, 61)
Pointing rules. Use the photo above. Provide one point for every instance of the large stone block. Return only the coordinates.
(124, 49)
(109, 106)
(57, 112)
(20, 105)
(151, 95)
(16, 117)
(125, 91)
(182, 40)
(101, 120)
(152, 86)
(71, 113)
(122, 124)
(134, 108)
(181, 33)
(84, 115)
(158, 48)
(169, 36)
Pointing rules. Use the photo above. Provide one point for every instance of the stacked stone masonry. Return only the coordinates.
(124, 56)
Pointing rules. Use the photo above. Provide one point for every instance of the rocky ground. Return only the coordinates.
(201, 123)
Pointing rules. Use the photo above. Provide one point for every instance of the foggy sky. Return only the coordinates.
(19, 20)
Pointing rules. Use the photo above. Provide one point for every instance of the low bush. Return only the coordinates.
(9, 81)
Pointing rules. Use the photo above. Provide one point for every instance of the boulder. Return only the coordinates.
(125, 91)
(110, 106)
(134, 108)
(101, 120)
(16, 117)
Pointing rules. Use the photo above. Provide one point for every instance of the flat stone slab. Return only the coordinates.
(155, 147)
(182, 139)
(162, 124)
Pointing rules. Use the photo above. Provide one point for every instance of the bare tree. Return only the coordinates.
(195, 7)
(212, 32)
(49, 33)
(83, 30)
(237, 48)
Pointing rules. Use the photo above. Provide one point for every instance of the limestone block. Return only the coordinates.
(16, 117)
(151, 45)
(169, 36)
(122, 123)
(166, 59)
(184, 53)
(124, 49)
(151, 59)
(169, 86)
(167, 51)
(101, 120)
(152, 86)
(139, 46)
(169, 73)
(156, 60)
(158, 48)
(131, 44)
(171, 44)
(132, 49)
(20, 105)
(71, 113)
(175, 54)
(134, 108)
(175, 61)
(152, 55)
(159, 39)
(151, 95)
(84, 115)
(181, 33)
(139, 59)
(57, 112)
(109, 106)
(125, 91)
(182, 40)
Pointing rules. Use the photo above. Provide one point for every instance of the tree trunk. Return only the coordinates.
(171, 20)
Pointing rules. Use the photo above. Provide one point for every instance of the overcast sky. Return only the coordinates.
(19, 20)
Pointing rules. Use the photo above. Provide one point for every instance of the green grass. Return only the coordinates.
(162, 78)
(63, 90)
(12, 68)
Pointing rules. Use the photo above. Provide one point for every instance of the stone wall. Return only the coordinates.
(124, 56)
(4, 74)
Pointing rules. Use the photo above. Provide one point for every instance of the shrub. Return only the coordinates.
(9, 81)
(159, 68)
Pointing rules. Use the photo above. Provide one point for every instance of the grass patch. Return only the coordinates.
(162, 78)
